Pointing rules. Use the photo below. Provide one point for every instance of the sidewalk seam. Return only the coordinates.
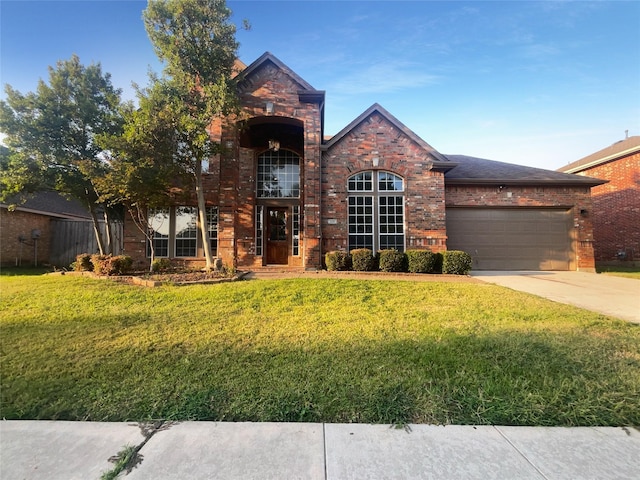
(520, 452)
(324, 447)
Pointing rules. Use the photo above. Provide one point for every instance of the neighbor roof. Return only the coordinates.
(619, 149)
(51, 204)
(472, 170)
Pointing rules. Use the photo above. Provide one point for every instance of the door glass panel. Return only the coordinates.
(277, 225)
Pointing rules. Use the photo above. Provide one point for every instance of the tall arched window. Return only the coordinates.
(278, 174)
(376, 211)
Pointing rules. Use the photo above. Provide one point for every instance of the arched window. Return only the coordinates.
(376, 211)
(278, 174)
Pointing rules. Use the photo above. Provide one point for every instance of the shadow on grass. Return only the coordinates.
(507, 378)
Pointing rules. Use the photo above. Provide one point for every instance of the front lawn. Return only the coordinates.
(321, 350)
(621, 271)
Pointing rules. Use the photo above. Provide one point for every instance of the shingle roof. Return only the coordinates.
(51, 204)
(617, 150)
(481, 171)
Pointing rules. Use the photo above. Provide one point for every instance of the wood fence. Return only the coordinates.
(70, 238)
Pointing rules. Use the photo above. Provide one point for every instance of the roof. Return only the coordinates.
(270, 57)
(50, 204)
(376, 108)
(619, 149)
(472, 170)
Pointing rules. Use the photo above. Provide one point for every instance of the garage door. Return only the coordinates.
(512, 239)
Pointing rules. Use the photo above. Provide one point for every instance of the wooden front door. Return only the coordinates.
(277, 236)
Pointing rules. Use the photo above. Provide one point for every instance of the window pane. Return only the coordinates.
(158, 220)
(389, 182)
(212, 229)
(278, 174)
(391, 223)
(186, 231)
(361, 182)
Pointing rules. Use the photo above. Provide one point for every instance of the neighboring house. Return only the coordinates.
(46, 229)
(616, 205)
(283, 194)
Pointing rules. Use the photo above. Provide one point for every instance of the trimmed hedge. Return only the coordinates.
(363, 260)
(110, 265)
(392, 261)
(337, 260)
(456, 262)
(83, 263)
(421, 261)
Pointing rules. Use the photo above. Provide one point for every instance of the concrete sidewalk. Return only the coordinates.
(205, 450)
(614, 296)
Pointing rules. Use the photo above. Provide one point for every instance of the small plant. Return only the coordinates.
(121, 264)
(83, 263)
(456, 262)
(337, 260)
(160, 265)
(362, 260)
(392, 261)
(110, 265)
(421, 261)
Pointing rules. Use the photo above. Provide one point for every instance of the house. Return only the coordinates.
(616, 205)
(46, 229)
(284, 194)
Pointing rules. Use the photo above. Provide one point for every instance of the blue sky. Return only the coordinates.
(532, 83)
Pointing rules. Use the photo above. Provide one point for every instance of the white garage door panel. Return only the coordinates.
(512, 239)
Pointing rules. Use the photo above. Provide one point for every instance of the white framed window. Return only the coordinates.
(278, 174)
(376, 218)
(186, 231)
(212, 229)
(159, 223)
(259, 224)
(295, 230)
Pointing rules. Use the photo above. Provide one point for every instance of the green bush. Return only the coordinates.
(83, 263)
(160, 265)
(456, 262)
(110, 265)
(421, 261)
(337, 260)
(392, 261)
(362, 260)
(438, 262)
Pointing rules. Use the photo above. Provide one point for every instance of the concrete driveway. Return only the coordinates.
(614, 296)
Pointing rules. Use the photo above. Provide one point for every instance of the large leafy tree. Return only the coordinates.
(196, 41)
(50, 135)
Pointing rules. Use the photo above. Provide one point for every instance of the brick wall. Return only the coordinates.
(17, 223)
(376, 144)
(616, 209)
(577, 199)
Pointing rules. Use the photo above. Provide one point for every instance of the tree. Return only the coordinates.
(197, 43)
(50, 135)
(144, 171)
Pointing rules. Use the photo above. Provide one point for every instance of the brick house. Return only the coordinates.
(284, 194)
(27, 231)
(616, 205)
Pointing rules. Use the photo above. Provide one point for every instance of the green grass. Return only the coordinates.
(321, 350)
(621, 271)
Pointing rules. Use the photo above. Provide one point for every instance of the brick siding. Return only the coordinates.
(14, 224)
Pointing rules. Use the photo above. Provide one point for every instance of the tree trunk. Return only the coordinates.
(107, 230)
(96, 228)
(202, 217)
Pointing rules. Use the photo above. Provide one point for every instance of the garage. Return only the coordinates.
(512, 239)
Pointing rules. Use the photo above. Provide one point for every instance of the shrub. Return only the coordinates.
(83, 263)
(362, 260)
(421, 261)
(438, 262)
(160, 265)
(337, 260)
(392, 261)
(456, 262)
(110, 265)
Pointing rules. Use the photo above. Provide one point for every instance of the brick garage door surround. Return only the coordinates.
(513, 239)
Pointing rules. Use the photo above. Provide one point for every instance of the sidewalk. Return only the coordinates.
(206, 450)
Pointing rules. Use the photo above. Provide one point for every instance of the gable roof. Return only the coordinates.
(376, 108)
(619, 149)
(268, 57)
(472, 170)
(51, 204)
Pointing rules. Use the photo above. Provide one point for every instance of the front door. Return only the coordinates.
(277, 236)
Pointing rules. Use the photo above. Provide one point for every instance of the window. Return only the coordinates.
(186, 231)
(158, 220)
(278, 174)
(212, 229)
(259, 223)
(295, 227)
(174, 231)
(376, 218)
